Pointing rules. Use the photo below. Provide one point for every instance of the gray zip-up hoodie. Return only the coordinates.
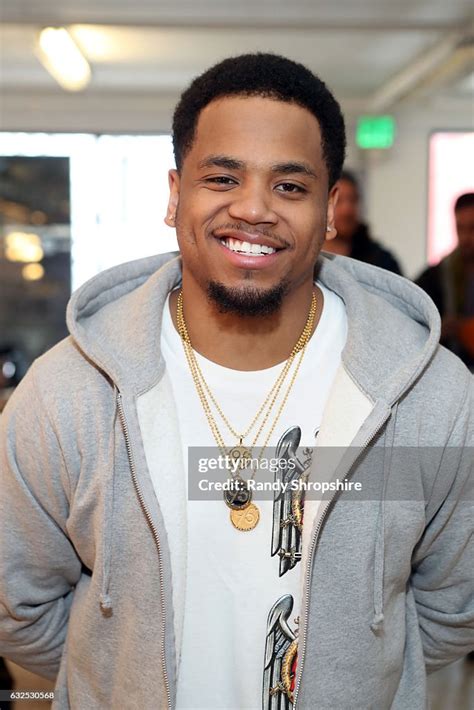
(86, 583)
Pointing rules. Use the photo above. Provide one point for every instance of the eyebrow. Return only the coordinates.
(228, 163)
(288, 168)
(222, 161)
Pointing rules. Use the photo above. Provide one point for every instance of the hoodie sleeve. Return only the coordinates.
(443, 572)
(38, 564)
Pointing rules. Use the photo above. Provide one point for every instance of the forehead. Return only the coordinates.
(257, 130)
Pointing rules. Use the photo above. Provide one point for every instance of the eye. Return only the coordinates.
(291, 188)
(220, 181)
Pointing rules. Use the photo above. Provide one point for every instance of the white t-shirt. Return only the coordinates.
(241, 601)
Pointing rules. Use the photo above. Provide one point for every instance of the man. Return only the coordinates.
(451, 285)
(353, 237)
(136, 591)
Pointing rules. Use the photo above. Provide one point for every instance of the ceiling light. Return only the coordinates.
(61, 56)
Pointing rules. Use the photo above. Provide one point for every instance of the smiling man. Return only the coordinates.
(120, 581)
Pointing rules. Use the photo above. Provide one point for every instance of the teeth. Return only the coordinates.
(247, 248)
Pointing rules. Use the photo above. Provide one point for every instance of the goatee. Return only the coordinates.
(247, 301)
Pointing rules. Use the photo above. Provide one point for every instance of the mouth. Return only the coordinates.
(247, 248)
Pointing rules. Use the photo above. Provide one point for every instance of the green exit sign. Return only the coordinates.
(375, 132)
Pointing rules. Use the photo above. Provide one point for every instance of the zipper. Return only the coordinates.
(155, 535)
(312, 549)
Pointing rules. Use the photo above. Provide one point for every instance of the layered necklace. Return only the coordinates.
(244, 515)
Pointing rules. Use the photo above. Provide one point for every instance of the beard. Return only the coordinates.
(246, 302)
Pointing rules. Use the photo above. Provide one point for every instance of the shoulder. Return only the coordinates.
(385, 259)
(429, 275)
(65, 369)
(366, 248)
(443, 396)
(73, 391)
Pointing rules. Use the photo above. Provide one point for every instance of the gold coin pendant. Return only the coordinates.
(240, 454)
(245, 519)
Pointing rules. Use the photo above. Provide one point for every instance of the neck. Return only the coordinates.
(245, 343)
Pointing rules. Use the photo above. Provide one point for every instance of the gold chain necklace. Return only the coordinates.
(305, 335)
(244, 514)
(201, 383)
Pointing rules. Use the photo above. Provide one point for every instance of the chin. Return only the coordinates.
(247, 301)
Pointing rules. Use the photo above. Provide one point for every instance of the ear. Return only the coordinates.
(332, 202)
(173, 182)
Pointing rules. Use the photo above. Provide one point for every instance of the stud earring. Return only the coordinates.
(328, 229)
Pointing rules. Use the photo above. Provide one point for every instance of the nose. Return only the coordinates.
(252, 203)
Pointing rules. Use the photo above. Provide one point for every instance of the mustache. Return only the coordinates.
(249, 229)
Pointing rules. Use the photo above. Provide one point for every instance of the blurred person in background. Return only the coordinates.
(451, 285)
(353, 236)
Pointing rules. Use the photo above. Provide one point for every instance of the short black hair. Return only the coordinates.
(466, 200)
(269, 76)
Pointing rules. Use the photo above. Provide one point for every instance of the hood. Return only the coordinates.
(115, 319)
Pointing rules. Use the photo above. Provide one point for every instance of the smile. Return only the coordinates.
(247, 248)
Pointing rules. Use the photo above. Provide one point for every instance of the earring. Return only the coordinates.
(172, 217)
(328, 229)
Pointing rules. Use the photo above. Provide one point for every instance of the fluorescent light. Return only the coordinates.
(61, 56)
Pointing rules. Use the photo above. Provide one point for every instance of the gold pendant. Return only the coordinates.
(238, 495)
(240, 454)
(245, 519)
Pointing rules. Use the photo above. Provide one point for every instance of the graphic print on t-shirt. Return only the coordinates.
(281, 654)
(281, 643)
(288, 505)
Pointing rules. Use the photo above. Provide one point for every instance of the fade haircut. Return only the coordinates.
(269, 76)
